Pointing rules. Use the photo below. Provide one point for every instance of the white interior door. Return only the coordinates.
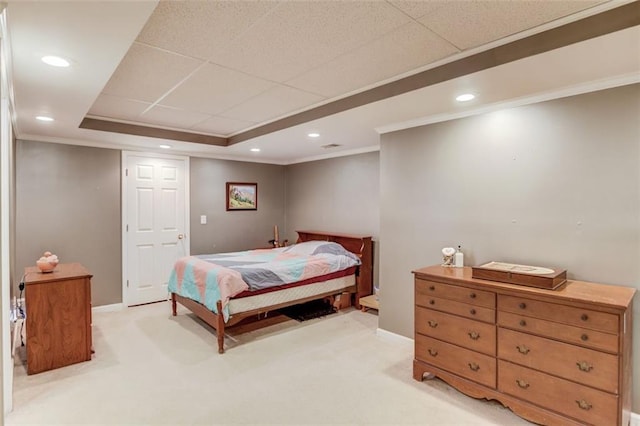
(155, 221)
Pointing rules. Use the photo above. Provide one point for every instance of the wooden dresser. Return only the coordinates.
(58, 317)
(552, 356)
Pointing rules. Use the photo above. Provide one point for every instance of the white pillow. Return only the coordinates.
(309, 248)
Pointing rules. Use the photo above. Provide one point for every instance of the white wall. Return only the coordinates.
(7, 162)
(551, 184)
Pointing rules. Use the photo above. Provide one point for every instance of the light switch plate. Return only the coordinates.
(203, 219)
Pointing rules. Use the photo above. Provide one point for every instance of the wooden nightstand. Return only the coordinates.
(58, 317)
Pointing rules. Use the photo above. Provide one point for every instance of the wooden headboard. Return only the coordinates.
(357, 244)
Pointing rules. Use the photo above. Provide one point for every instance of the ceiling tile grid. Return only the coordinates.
(201, 28)
(221, 126)
(138, 77)
(470, 24)
(406, 48)
(320, 49)
(225, 67)
(172, 117)
(298, 36)
(214, 89)
(273, 103)
(118, 107)
(418, 8)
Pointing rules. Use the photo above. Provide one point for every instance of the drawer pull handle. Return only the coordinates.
(433, 324)
(522, 384)
(523, 323)
(474, 335)
(472, 295)
(584, 317)
(522, 305)
(432, 287)
(584, 404)
(472, 311)
(473, 366)
(523, 349)
(432, 302)
(584, 366)
(433, 352)
(584, 337)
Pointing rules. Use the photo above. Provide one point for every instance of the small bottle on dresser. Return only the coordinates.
(458, 260)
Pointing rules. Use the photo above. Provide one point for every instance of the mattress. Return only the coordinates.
(272, 298)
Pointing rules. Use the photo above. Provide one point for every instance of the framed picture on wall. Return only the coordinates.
(242, 196)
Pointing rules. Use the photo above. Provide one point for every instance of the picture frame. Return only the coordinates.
(242, 196)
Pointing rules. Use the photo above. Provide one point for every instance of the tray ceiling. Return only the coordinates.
(234, 71)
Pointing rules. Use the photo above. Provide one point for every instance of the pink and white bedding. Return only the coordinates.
(209, 278)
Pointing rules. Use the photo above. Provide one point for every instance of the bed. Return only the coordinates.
(242, 291)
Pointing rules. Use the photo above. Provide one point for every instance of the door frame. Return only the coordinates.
(124, 206)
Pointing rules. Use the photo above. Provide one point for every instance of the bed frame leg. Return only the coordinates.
(220, 327)
(174, 308)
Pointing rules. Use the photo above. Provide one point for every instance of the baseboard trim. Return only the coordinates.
(393, 336)
(635, 419)
(107, 308)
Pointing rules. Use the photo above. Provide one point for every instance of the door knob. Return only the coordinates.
(180, 236)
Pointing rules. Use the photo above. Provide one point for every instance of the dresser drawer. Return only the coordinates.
(570, 334)
(579, 317)
(588, 405)
(458, 308)
(463, 362)
(483, 298)
(582, 365)
(470, 334)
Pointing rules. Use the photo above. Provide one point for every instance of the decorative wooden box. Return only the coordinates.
(532, 276)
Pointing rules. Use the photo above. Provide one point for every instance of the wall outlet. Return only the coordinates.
(203, 219)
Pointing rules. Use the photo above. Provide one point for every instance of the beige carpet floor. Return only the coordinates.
(152, 368)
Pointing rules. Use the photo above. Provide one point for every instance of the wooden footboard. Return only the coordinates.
(214, 320)
(217, 321)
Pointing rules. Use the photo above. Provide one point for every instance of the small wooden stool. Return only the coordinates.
(369, 302)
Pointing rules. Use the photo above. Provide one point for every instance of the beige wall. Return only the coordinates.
(556, 183)
(68, 202)
(339, 194)
(7, 234)
(234, 230)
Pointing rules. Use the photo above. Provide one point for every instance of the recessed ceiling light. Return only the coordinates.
(255, 149)
(314, 135)
(44, 118)
(55, 61)
(165, 146)
(465, 97)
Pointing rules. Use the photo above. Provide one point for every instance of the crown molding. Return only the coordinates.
(565, 92)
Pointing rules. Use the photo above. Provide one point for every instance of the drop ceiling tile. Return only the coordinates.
(146, 73)
(300, 35)
(200, 28)
(213, 89)
(273, 103)
(116, 107)
(473, 23)
(172, 117)
(403, 50)
(417, 8)
(222, 126)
